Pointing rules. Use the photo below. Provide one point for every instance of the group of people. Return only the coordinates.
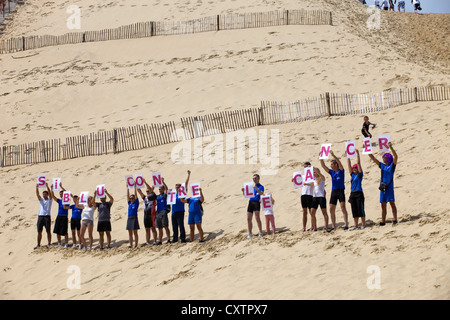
(156, 207)
(156, 219)
(389, 5)
(314, 195)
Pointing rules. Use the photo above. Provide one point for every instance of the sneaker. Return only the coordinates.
(249, 236)
(36, 247)
(66, 246)
(260, 234)
(74, 245)
(346, 228)
(363, 227)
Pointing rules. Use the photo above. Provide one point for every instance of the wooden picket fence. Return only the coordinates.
(269, 113)
(164, 28)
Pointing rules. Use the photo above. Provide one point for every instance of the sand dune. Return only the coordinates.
(77, 89)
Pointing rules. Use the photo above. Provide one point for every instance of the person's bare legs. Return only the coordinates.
(200, 230)
(383, 212)
(305, 218)
(344, 212)
(333, 215)
(313, 219)
(249, 222)
(325, 217)
(258, 221)
(394, 209)
(136, 238)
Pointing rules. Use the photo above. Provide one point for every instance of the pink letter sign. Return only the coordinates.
(66, 198)
(309, 174)
(130, 181)
(139, 180)
(84, 197)
(56, 184)
(182, 191)
(41, 180)
(350, 149)
(248, 190)
(266, 201)
(100, 191)
(297, 180)
(383, 141)
(325, 150)
(157, 180)
(367, 146)
(171, 197)
(195, 190)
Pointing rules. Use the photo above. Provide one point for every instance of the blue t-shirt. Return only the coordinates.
(133, 208)
(356, 181)
(257, 197)
(161, 202)
(76, 212)
(178, 206)
(337, 179)
(194, 205)
(387, 173)
(61, 210)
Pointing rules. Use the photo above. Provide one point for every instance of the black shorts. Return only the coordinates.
(148, 222)
(75, 224)
(319, 201)
(337, 194)
(356, 200)
(43, 221)
(60, 227)
(306, 201)
(364, 133)
(161, 219)
(103, 226)
(253, 206)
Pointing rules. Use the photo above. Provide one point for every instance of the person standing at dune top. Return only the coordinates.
(75, 220)
(306, 198)
(62, 219)
(149, 212)
(132, 220)
(104, 219)
(337, 174)
(366, 126)
(254, 207)
(178, 214)
(401, 5)
(44, 220)
(319, 199)
(195, 215)
(87, 223)
(386, 187)
(356, 198)
(162, 210)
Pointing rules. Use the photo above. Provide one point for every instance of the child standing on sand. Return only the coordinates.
(268, 212)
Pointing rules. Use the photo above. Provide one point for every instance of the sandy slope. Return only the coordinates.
(77, 89)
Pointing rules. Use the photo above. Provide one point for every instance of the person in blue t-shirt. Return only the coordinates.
(195, 215)
(75, 220)
(132, 221)
(62, 220)
(162, 209)
(356, 198)
(178, 214)
(337, 174)
(387, 178)
(254, 206)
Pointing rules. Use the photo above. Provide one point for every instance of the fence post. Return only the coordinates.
(287, 17)
(415, 94)
(218, 22)
(327, 98)
(115, 141)
(23, 43)
(152, 28)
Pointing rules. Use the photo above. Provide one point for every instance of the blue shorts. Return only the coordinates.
(388, 195)
(195, 217)
(401, 4)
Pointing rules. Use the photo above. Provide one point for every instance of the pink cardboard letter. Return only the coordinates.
(248, 190)
(266, 201)
(350, 149)
(41, 180)
(195, 190)
(182, 191)
(157, 180)
(325, 150)
(367, 146)
(297, 180)
(100, 190)
(383, 141)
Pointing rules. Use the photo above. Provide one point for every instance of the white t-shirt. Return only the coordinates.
(268, 211)
(46, 206)
(307, 190)
(377, 2)
(319, 189)
(416, 2)
(88, 213)
(385, 3)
